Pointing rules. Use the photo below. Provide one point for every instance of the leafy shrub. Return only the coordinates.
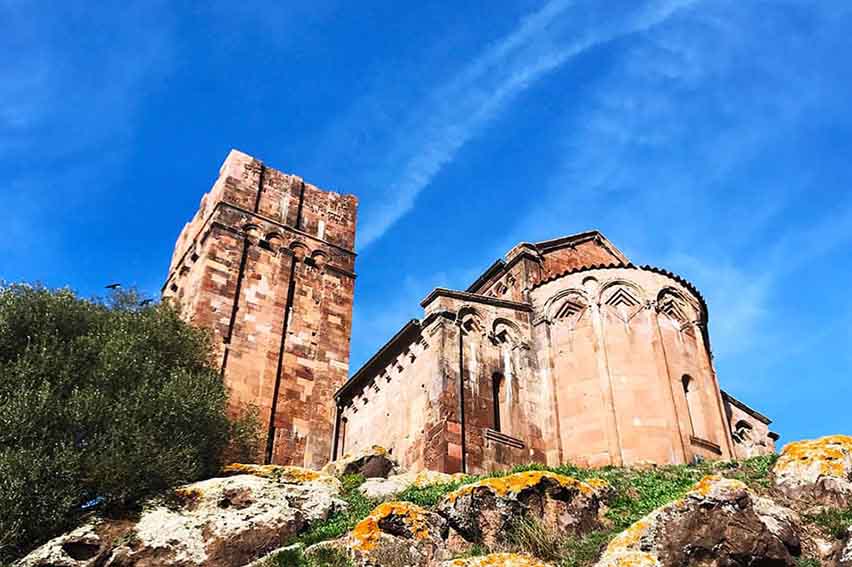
(101, 403)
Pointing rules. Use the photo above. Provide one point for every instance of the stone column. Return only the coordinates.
(659, 346)
(611, 420)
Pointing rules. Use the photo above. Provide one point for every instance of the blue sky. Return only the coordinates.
(712, 138)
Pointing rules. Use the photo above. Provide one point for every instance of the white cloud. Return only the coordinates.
(671, 154)
(454, 113)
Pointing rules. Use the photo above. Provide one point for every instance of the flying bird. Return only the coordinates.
(145, 302)
(113, 286)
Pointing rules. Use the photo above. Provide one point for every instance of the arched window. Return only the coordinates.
(693, 405)
(742, 432)
(496, 383)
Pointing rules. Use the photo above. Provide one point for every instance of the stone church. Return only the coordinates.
(563, 351)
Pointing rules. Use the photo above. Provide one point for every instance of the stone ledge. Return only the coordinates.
(704, 443)
(498, 437)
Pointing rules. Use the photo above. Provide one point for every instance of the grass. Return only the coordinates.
(427, 496)
(322, 557)
(531, 536)
(636, 493)
(359, 507)
(833, 522)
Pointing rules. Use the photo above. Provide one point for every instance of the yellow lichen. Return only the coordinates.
(715, 483)
(515, 483)
(831, 455)
(499, 560)
(266, 471)
(365, 535)
(628, 559)
(283, 474)
(187, 494)
(629, 537)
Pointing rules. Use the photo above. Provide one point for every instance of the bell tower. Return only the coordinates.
(267, 265)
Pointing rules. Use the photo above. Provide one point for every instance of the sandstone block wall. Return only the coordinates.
(749, 429)
(562, 352)
(631, 368)
(267, 265)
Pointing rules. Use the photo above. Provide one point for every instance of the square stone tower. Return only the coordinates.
(267, 265)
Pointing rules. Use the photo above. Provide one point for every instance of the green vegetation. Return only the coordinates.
(636, 492)
(295, 556)
(426, 496)
(833, 522)
(531, 536)
(101, 404)
(359, 507)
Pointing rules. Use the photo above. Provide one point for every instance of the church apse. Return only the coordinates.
(563, 351)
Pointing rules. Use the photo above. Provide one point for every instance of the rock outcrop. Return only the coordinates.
(844, 554)
(224, 521)
(398, 533)
(387, 488)
(239, 518)
(719, 522)
(375, 462)
(483, 511)
(497, 560)
(818, 469)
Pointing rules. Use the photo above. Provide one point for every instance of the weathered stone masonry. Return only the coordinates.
(267, 264)
(564, 351)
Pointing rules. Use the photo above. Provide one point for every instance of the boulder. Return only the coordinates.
(78, 548)
(397, 534)
(217, 522)
(497, 560)
(387, 488)
(374, 462)
(483, 511)
(818, 469)
(844, 551)
(719, 522)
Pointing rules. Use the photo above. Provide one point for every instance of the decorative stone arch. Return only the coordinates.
(319, 258)
(505, 331)
(252, 232)
(615, 289)
(678, 307)
(624, 297)
(743, 432)
(274, 241)
(300, 249)
(470, 320)
(568, 304)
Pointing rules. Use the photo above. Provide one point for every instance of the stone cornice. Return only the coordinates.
(209, 223)
(286, 227)
(397, 344)
(500, 267)
(752, 412)
(475, 298)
